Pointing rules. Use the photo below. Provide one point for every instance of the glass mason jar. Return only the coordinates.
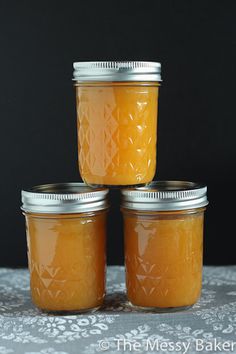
(66, 238)
(163, 228)
(117, 121)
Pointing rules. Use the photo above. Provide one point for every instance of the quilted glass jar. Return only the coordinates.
(163, 228)
(66, 238)
(117, 121)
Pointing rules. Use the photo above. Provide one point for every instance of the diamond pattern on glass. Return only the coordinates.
(117, 134)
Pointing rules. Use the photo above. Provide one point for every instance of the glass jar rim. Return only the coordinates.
(63, 198)
(165, 196)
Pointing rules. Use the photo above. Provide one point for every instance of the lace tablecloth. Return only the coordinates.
(209, 326)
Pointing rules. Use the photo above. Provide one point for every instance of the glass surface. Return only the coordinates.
(67, 259)
(163, 258)
(117, 133)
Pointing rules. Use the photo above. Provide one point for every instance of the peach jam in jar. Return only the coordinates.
(163, 229)
(117, 106)
(66, 238)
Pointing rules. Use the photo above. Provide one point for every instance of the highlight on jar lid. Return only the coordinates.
(63, 198)
(117, 71)
(165, 196)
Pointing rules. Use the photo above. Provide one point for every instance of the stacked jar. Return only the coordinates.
(117, 110)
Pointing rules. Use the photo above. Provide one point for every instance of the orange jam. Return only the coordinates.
(117, 132)
(163, 256)
(163, 229)
(67, 260)
(66, 239)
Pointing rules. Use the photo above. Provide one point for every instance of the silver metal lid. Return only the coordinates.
(117, 71)
(166, 196)
(63, 198)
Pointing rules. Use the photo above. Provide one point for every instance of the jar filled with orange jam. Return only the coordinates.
(66, 238)
(163, 228)
(117, 121)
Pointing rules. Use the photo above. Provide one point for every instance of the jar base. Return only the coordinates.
(114, 186)
(157, 309)
(69, 312)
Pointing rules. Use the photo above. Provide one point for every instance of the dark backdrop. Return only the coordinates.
(194, 41)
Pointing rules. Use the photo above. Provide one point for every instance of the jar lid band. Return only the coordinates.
(117, 71)
(166, 196)
(63, 198)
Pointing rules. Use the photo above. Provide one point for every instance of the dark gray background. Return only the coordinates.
(194, 41)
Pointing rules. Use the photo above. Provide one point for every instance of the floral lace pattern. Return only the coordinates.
(25, 330)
